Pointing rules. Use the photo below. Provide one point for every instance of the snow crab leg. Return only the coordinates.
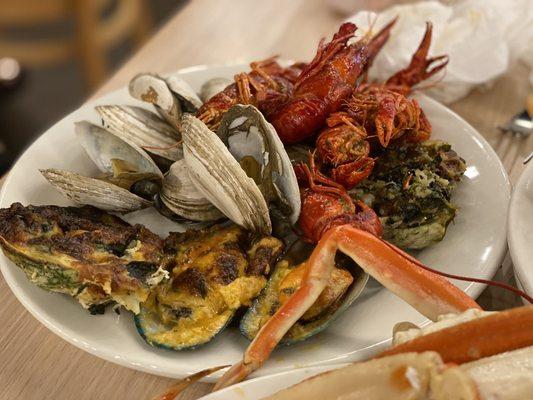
(431, 294)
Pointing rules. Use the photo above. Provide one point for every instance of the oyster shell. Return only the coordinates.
(143, 128)
(212, 87)
(220, 178)
(171, 96)
(256, 146)
(182, 197)
(95, 192)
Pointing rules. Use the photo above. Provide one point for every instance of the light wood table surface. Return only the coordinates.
(36, 364)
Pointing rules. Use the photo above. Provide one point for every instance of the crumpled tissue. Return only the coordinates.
(481, 38)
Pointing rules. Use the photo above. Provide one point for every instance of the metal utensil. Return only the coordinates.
(515, 132)
(521, 123)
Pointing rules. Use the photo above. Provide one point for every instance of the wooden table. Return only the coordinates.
(35, 363)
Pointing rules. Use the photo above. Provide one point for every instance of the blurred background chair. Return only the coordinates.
(28, 33)
(53, 53)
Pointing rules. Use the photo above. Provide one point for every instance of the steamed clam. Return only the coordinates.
(170, 96)
(256, 146)
(84, 190)
(213, 86)
(124, 165)
(144, 128)
(220, 178)
(243, 169)
(183, 198)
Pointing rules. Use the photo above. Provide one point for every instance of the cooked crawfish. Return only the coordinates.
(268, 83)
(326, 204)
(379, 110)
(298, 99)
(326, 83)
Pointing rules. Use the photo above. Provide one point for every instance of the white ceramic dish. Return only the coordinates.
(474, 245)
(259, 388)
(521, 230)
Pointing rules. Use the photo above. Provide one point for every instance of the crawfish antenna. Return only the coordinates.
(501, 285)
(377, 42)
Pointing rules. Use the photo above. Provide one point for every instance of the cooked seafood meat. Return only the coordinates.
(93, 256)
(213, 273)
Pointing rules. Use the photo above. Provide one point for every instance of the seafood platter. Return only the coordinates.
(192, 218)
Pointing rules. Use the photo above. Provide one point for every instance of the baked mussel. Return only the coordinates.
(213, 273)
(345, 285)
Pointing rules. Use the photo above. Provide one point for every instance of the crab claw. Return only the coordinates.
(484, 337)
(429, 293)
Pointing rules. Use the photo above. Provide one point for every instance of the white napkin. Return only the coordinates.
(481, 37)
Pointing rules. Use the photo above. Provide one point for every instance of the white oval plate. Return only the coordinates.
(521, 229)
(474, 246)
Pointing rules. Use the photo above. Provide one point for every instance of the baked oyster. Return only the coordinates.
(410, 189)
(91, 255)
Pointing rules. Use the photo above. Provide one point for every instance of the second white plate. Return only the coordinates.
(521, 229)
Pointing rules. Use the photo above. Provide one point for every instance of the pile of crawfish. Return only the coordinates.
(330, 104)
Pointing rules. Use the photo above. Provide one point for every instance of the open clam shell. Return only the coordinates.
(171, 96)
(212, 87)
(220, 178)
(182, 197)
(143, 128)
(254, 143)
(105, 149)
(83, 190)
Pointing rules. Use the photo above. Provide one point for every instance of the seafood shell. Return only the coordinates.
(262, 307)
(105, 149)
(220, 178)
(143, 128)
(212, 87)
(256, 146)
(182, 197)
(95, 192)
(171, 96)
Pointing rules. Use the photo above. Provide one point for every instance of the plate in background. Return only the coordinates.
(521, 230)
